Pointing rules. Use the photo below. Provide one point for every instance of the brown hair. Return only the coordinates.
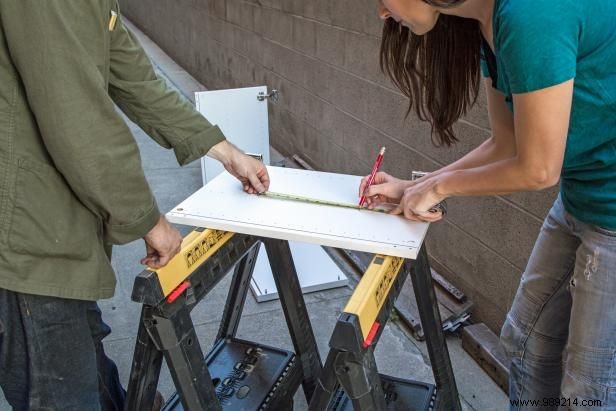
(438, 72)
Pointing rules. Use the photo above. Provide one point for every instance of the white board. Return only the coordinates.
(241, 117)
(222, 205)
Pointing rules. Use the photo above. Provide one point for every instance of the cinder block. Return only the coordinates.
(537, 203)
(247, 12)
(330, 44)
(304, 36)
(350, 93)
(473, 262)
(273, 4)
(248, 44)
(361, 56)
(351, 133)
(215, 29)
(509, 231)
(286, 130)
(478, 115)
(303, 104)
(240, 13)
(340, 160)
(232, 13)
(374, 24)
(317, 77)
(292, 69)
(490, 314)
(349, 14)
(296, 7)
(322, 11)
(274, 25)
(217, 8)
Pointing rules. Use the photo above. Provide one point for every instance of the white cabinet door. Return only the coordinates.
(241, 116)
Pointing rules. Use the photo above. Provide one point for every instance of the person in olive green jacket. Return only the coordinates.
(71, 184)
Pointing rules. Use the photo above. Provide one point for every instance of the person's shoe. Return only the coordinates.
(159, 401)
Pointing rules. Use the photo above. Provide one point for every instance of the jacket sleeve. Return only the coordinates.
(145, 98)
(58, 48)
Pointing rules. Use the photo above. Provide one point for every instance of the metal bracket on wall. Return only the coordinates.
(274, 95)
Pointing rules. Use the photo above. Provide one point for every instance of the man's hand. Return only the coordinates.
(251, 172)
(162, 243)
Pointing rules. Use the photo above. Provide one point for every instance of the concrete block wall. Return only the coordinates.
(337, 109)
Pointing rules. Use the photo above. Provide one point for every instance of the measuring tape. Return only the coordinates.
(282, 196)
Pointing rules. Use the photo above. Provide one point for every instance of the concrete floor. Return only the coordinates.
(397, 354)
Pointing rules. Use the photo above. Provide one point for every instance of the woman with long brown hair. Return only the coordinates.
(550, 68)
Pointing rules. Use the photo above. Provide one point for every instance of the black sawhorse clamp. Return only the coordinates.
(350, 379)
(236, 374)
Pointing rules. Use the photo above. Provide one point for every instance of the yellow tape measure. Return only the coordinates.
(282, 196)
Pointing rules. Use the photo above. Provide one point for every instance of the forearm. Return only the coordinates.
(222, 152)
(501, 177)
(487, 153)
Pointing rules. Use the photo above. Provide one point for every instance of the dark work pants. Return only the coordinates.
(52, 357)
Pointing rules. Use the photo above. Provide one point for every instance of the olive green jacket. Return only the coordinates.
(71, 180)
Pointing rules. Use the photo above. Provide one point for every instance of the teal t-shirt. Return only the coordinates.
(542, 43)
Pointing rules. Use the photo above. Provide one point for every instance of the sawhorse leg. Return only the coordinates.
(177, 339)
(145, 370)
(447, 392)
(237, 294)
(294, 308)
(327, 384)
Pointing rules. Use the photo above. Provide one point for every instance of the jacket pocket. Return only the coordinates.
(48, 220)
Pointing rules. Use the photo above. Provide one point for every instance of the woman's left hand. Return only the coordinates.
(419, 199)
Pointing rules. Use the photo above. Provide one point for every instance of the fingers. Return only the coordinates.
(163, 242)
(383, 190)
(151, 260)
(163, 260)
(375, 201)
(375, 190)
(156, 260)
(429, 217)
(379, 178)
(256, 184)
(252, 174)
(150, 254)
(398, 210)
(362, 186)
(410, 215)
(264, 177)
(148, 259)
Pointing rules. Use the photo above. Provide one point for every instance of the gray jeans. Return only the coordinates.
(561, 330)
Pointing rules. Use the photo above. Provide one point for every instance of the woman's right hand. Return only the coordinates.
(384, 189)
